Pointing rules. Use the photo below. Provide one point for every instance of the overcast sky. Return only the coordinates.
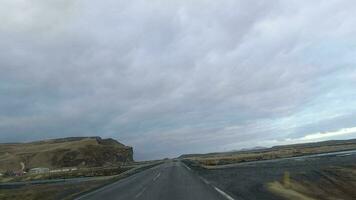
(178, 76)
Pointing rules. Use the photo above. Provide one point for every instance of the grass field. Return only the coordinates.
(268, 154)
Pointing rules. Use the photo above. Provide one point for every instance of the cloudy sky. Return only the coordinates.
(178, 76)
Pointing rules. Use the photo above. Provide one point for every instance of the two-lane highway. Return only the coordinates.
(171, 180)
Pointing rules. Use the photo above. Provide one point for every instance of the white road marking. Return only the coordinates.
(156, 177)
(343, 155)
(205, 181)
(187, 167)
(224, 194)
(217, 189)
(140, 193)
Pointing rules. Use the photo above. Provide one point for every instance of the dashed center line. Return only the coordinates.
(144, 189)
(156, 177)
(187, 167)
(140, 193)
(205, 181)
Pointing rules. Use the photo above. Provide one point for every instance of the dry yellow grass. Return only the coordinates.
(332, 183)
(267, 155)
(286, 193)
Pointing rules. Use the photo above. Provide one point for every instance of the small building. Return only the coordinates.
(39, 170)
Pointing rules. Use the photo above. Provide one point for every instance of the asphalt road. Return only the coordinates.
(171, 180)
(247, 181)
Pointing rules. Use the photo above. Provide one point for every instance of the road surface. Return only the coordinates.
(171, 180)
(247, 180)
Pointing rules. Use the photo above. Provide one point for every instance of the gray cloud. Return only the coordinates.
(176, 77)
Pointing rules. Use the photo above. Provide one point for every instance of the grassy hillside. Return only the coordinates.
(65, 152)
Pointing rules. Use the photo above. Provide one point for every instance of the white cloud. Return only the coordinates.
(218, 74)
(328, 135)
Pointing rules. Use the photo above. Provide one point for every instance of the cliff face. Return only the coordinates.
(64, 152)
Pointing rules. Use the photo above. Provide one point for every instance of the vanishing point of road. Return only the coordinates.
(168, 181)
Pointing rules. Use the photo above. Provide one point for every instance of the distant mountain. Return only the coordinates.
(64, 152)
(317, 144)
(226, 153)
(253, 148)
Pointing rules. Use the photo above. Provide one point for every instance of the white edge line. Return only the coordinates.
(224, 194)
(217, 189)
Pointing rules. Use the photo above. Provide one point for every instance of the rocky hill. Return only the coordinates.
(64, 152)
